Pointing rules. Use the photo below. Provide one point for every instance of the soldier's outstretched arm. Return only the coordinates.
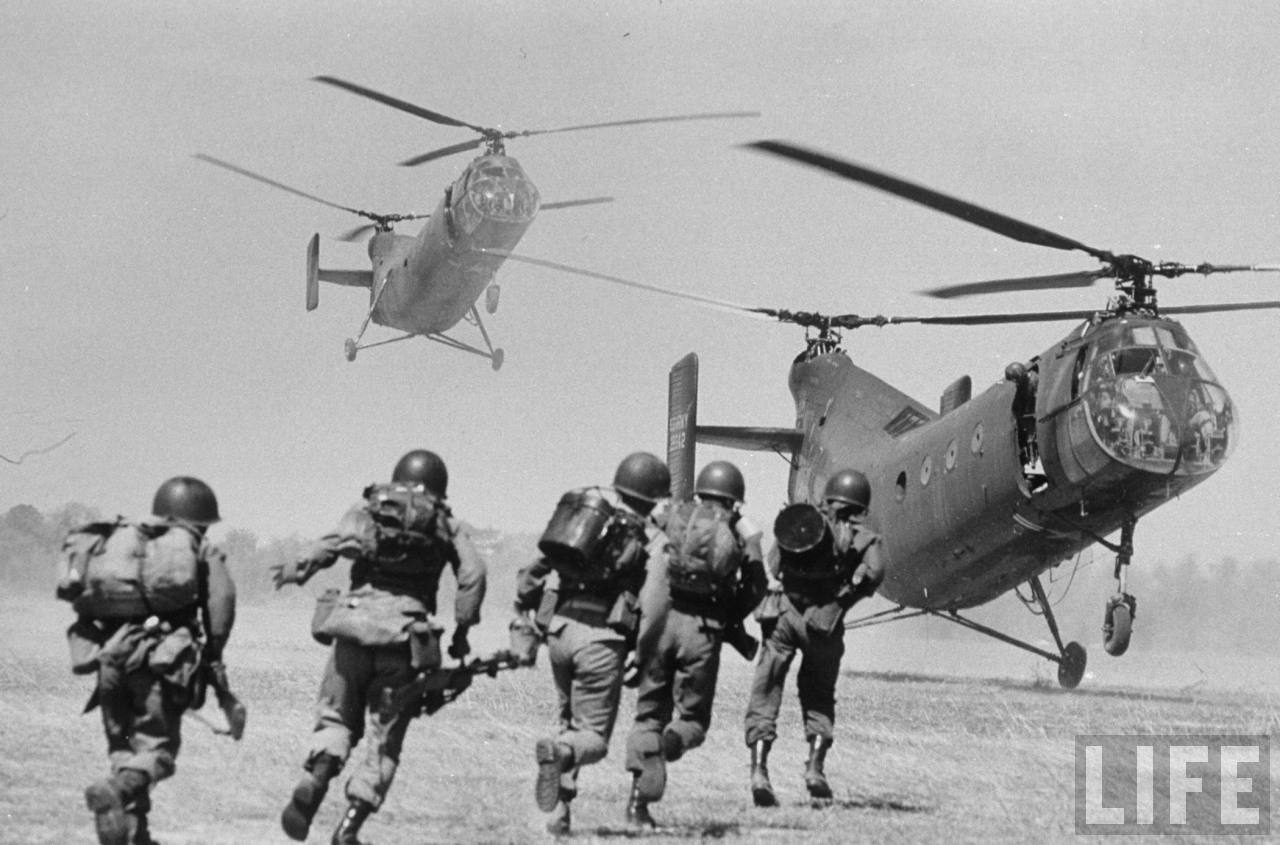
(355, 537)
(530, 584)
(470, 572)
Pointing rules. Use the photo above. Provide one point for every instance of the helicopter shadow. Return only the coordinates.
(1033, 686)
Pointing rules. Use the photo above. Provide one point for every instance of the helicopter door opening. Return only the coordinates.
(1026, 380)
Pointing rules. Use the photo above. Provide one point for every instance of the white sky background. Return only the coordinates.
(153, 305)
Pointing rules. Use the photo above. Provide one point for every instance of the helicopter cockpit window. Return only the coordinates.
(1155, 404)
(499, 194)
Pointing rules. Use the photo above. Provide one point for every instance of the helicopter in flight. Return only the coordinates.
(988, 492)
(427, 284)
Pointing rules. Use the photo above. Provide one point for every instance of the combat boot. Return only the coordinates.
(638, 808)
(815, 780)
(554, 758)
(308, 795)
(348, 830)
(107, 799)
(761, 788)
(559, 823)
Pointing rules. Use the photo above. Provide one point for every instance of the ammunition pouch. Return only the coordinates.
(176, 657)
(325, 603)
(373, 618)
(624, 616)
(424, 646)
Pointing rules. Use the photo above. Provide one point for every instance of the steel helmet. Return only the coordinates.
(721, 478)
(186, 498)
(644, 476)
(849, 487)
(425, 468)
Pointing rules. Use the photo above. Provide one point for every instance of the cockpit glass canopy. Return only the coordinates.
(1154, 403)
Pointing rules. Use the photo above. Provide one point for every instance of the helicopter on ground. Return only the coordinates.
(425, 285)
(989, 492)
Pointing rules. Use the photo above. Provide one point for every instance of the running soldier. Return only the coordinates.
(399, 539)
(714, 571)
(825, 560)
(155, 605)
(596, 544)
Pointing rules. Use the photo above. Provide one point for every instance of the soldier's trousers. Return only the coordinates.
(350, 693)
(815, 681)
(586, 663)
(142, 718)
(676, 691)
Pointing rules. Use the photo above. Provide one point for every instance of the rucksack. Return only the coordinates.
(814, 546)
(125, 570)
(589, 540)
(703, 555)
(408, 521)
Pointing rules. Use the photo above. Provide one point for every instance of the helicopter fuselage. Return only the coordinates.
(977, 501)
(434, 279)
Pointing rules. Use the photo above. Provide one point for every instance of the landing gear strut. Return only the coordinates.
(1117, 622)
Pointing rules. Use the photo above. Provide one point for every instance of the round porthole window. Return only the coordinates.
(926, 471)
(949, 459)
(975, 445)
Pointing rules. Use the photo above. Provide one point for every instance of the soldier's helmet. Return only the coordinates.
(644, 476)
(186, 498)
(723, 479)
(423, 467)
(848, 487)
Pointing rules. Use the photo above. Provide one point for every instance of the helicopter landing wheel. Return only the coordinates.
(1071, 667)
(350, 349)
(496, 359)
(1117, 625)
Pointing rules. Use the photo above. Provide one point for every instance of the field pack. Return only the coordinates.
(591, 541)
(702, 549)
(408, 521)
(124, 570)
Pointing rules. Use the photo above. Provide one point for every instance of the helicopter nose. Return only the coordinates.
(1163, 423)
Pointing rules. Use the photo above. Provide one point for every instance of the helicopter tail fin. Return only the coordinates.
(315, 275)
(682, 422)
(683, 431)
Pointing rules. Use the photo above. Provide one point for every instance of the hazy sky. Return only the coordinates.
(153, 305)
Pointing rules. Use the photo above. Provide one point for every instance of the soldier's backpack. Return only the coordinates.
(125, 570)
(703, 555)
(409, 522)
(589, 540)
(812, 546)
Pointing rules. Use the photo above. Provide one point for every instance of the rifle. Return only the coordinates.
(432, 689)
(735, 634)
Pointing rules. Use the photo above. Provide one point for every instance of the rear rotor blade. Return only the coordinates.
(273, 183)
(679, 294)
(1060, 280)
(395, 103)
(991, 220)
(552, 206)
(357, 233)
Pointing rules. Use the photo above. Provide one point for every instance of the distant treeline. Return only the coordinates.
(1182, 606)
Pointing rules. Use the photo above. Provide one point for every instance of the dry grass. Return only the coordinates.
(918, 758)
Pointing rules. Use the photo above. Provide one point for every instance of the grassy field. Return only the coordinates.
(921, 754)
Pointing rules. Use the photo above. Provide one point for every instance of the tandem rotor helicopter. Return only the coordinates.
(987, 493)
(426, 285)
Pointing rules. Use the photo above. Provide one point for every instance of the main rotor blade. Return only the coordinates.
(679, 294)
(273, 183)
(1060, 280)
(991, 220)
(552, 206)
(395, 103)
(995, 319)
(522, 133)
(356, 233)
(1173, 270)
(1223, 306)
(442, 152)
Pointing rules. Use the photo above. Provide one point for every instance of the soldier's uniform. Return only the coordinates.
(391, 603)
(590, 626)
(151, 667)
(816, 589)
(679, 652)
